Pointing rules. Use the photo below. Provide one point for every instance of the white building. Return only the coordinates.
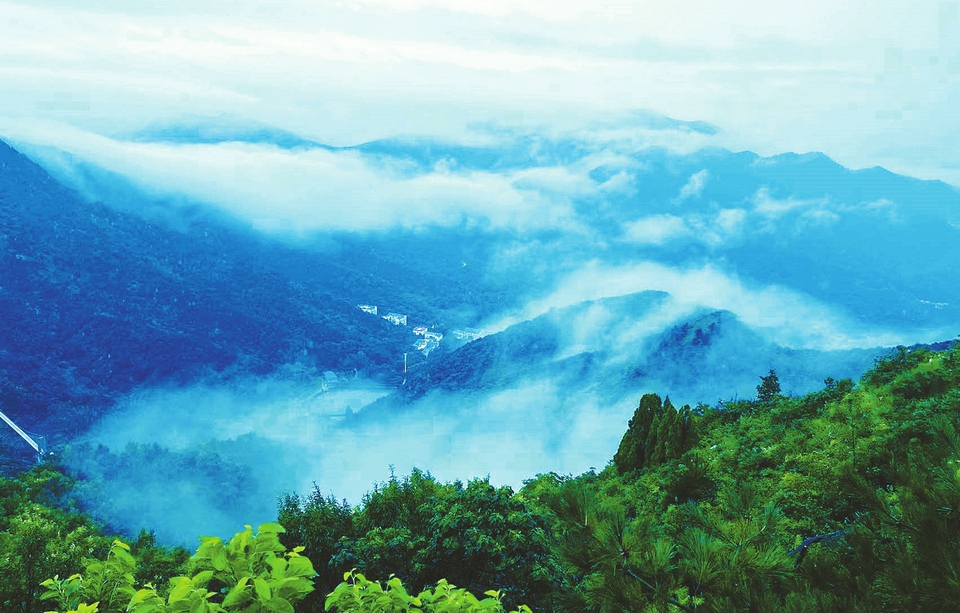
(396, 319)
(468, 334)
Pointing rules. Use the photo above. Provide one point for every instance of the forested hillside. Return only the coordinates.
(100, 300)
(95, 302)
(845, 499)
(590, 344)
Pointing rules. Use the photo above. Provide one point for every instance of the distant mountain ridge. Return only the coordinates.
(705, 357)
(691, 276)
(98, 299)
(871, 242)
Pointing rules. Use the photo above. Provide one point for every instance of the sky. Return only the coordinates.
(867, 82)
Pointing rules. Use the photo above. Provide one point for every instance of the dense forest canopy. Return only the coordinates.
(845, 499)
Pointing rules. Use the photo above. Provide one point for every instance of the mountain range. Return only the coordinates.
(689, 274)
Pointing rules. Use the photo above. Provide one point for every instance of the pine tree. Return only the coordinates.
(634, 449)
(769, 387)
(663, 435)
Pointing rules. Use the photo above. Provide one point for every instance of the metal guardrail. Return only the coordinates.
(40, 448)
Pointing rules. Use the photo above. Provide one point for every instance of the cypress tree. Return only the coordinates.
(633, 452)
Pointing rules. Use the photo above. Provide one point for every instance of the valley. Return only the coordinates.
(691, 275)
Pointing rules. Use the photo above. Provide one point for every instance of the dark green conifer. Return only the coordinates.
(634, 449)
(769, 387)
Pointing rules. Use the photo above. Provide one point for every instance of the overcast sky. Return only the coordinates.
(868, 82)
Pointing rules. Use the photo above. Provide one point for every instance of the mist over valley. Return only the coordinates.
(167, 343)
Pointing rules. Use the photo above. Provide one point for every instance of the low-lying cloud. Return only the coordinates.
(321, 189)
(713, 228)
(656, 230)
(694, 186)
(540, 180)
(767, 205)
(222, 455)
(783, 315)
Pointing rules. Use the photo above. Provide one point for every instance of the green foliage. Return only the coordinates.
(252, 573)
(317, 523)
(846, 499)
(38, 543)
(156, 564)
(843, 500)
(769, 387)
(477, 536)
(108, 583)
(42, 484)
(40, 536)
(357, 594)
(657, 433)
(256, 570)
(732, 553)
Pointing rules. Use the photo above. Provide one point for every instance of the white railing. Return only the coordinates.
(24, 435)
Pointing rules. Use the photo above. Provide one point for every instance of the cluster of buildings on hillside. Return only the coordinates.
(395, 318)
(429, 339)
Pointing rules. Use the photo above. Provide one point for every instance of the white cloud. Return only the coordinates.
(769, 206)
(730, 220)
(717, 230)
(881, 208)
(321, 189)
(712, 230)
(881, 204)
(694, 186)
(817, 217)
(655, 230)
(510, 435)
(305, 189)
(811, 212)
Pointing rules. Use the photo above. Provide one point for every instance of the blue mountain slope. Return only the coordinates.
(99, 299)
(126, 298)
(704, 357)
(96, 302)
(222, 129)
(714, 356)
(536, 348)
(877, 245)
